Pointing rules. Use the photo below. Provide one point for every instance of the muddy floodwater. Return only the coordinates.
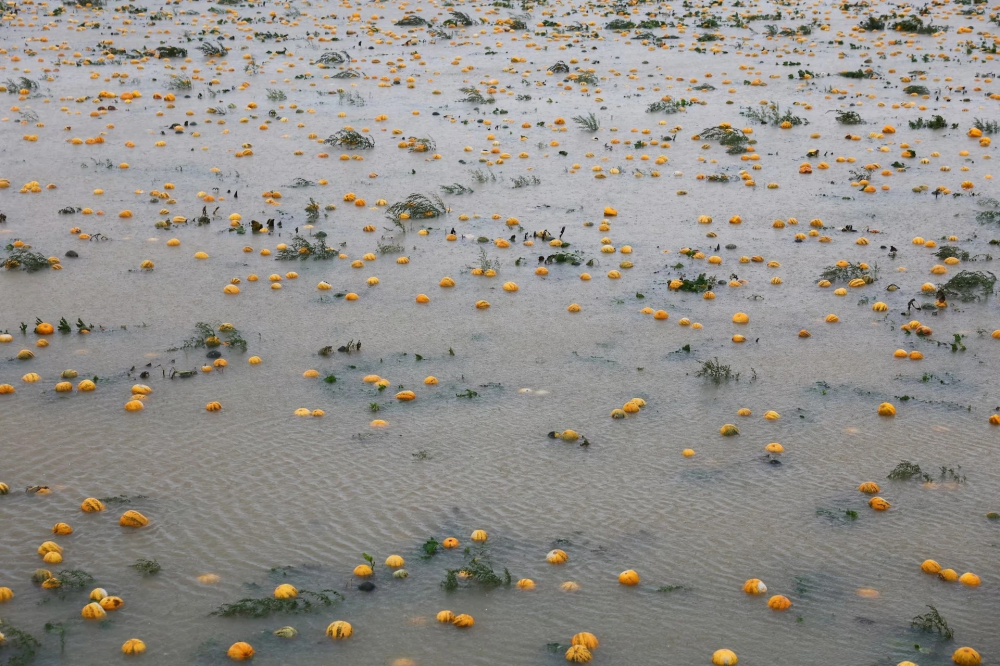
(722, 157)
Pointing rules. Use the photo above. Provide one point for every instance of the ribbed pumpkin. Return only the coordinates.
(586, 639)
(878, 504)
(754, 586)
(52, 558)
(525, 584)
(98, 593)
(4, 489)
(92, 505)
(405, 396)
(479, 536)
(966, 656)
(949, 575)
(49, 547)
(556, 556)
(213, 407)
(445, 616)
(93, 611)
(285, 591)
(869, 487)
(362, 571)
(930, 567)
(6, 594)
(728, 430)
(779, 603)
(450, 542)
(40, 575)
(240, 651)
(339, 630)
(724, 658)
(111, 603)
(394, 562)
(578, 654)
(463, 621)
(133, 646)
(132, 518)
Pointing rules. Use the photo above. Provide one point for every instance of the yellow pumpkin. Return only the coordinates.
(754, 586)
(92, 505)
(886, 409)
(445, 616)
(111, 603)
(132, 518)
(339, 630)
(930, 567)
(463, 621)
(93, 611)
(772, 415)
(49, 547)
(240, 651)
(586, 639)
(556, 557)
(6, 594)
(879, 504)
(133, 646)
(525, 584)
(479, 536)
(285, 591)
(628, 577)
(406, 396)
(724, 658)
(969, 578)
(86, 385)
(569, 586)
(966, 656)
(578, 654)
(50, 583)
(869, 487)
(630, 408)
(949, 575)
(728, 430)
(741, 318)
(134, 406)
(213, 407)
(779, 603)
(52, 558)
(98, 593)
(394, 562)
(362, 571)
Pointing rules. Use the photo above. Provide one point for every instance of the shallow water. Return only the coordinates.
(253, 487)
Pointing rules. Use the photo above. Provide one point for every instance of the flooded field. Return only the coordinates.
(639, 287)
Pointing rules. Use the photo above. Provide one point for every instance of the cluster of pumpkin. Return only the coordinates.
(631, 407)
(931, 567)
(871, 488)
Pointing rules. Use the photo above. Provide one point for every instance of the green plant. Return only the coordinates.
(986, 126)
(699, 284)
(74, 579)
(669, 588)
(431, 546)
(916, 24)
(872, 24)
(559, 67)
(668, 107)
(276, 95)
(851, 272)
(849, 118)
(771, 114)
(389, 248)
(478, 570)
(417, 206)
(859, 74)
(350, 139)
(306, 602)
(21, 643)
(620, 24)
(212, 49)
(24, 259)
(588, 122)
(474, 96)
(948, 251)
(524, 181)
(936, 122)
(458, 19)
(456, 189)
(904, 471)
(59, 629)
(970, 286)
(146, 567)
(300, 248)
(933, 622)
(716, 372)
(171, 52)
(412, 21)
(916, 90)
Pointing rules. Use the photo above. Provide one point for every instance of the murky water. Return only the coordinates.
(253, 487)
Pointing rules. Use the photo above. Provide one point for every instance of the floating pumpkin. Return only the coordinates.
(133, 646)
(525, 584)
(969, 578)
(754, 586)
(724, 658)
(111, 603)
(362, 571)
(285, 591)
(557, 557)
(405, 396)
(879, 504)
(949, 575)
(93, 611)
(6, 594)
(286, 632)
(450, 542)
(213, 407)
(578, 654)
(98, 593)
(886, 409)
(445, 616)
(869, 487)
(394, 562)
(930, 567)
(628, 577)
(92, 505)
(463, 621)
(132, 518)
(966, 656)
(728, 430)
(240, 651)
(479, 536)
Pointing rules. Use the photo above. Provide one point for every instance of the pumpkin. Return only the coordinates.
(966, 656)
(49, 547)
(30, 378)
(578, 654)
(25, 354)
(479, 536)
(213, 407)
(772, 415)
(86, 385)
(40, 575)
(740, 318)
(133, 646)
(4, 489)
(64, 387)
(240, 651)
(93, 611)
(754, 586)
(7, 389)
(774, 447)
(724, 658)
(446, 282)
(994, 420)
(52, 558)
(878, 504)
(286, 632)
(44, 328)
(132, 518)
(445, 616)
(394, 562)
(628, 577)
(111, 603)
(208, 579)
(728, 430)
(880, 307)
(779, 603)
(869, 487)
(969, 578)
(556, 557)
(134, 406)
(930, 567)
(569, 586)
(630, 408)
(687, 453)
(463, 621)
(285, 591)
(339, 630)
(254, 360)
(569, 435)
(362, 571)
(886, 409)
(92, 505)
(949, 575)
(405, 396)
(400, 573)
(50, 583)
(586, 639)
(6, 594)
(450, 542)
(97, 594)
(525, 584)
(482, 305)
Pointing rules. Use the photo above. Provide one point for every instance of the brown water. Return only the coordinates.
(253, 487)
